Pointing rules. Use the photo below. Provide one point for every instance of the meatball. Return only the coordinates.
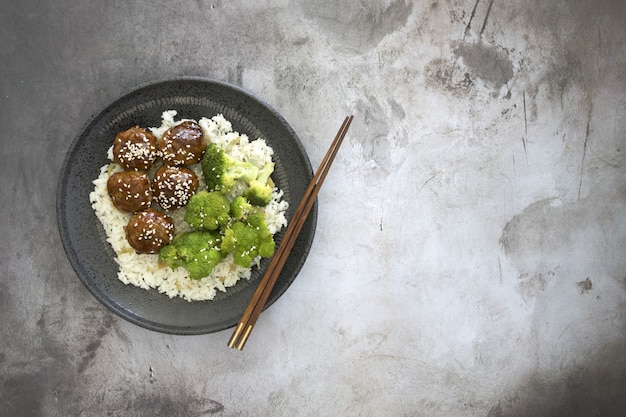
(148, 231)
(130, 190)
(173, 186)
(183, 144)
(135, 149)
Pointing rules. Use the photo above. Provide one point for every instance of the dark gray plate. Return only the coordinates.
(83, 236)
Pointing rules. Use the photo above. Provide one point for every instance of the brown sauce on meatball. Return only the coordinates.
(130, 190)
(183, 144)
(173, 186)
(148, 231)
(135, 149)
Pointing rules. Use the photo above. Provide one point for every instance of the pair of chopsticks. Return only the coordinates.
(262, 293)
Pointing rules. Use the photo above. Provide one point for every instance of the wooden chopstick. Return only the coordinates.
(262, 293)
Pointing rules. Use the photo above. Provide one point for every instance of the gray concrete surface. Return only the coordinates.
(470, 253)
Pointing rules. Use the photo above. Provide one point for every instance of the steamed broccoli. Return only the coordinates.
(247, 239)
(240, 208)
(266, 239)
(197, 251)
(260, 191)
(222, 172)
(208, 210)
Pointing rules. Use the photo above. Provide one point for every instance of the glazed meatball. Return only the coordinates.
(135, 149)
(130, 190)
(183, 144)
(173, 186)
(148, 231)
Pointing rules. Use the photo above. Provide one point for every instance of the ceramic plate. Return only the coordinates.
(84, 239)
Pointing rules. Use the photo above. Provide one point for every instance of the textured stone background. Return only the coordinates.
(470, 252)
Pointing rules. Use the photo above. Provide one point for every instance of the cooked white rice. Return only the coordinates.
(145, 271)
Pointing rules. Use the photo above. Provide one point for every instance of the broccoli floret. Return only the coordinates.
(247, 239)
(240, 208)
(260, 191)
(208, 210)
(197, 251)
(222, 172)
(266, 239)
